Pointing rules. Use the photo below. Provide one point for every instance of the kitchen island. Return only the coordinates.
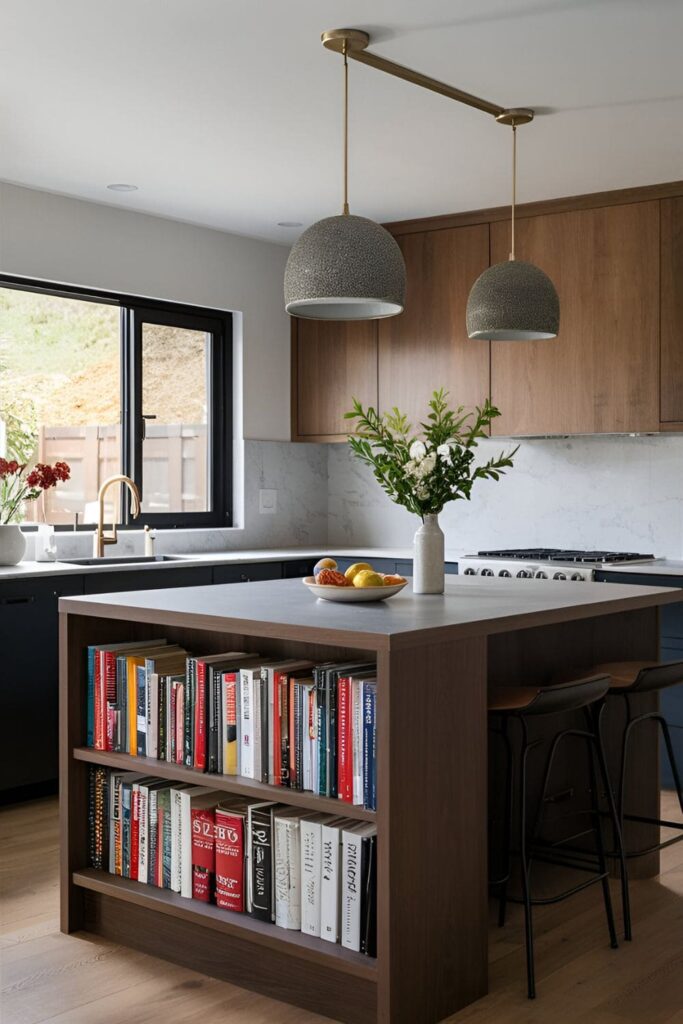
(436, 656)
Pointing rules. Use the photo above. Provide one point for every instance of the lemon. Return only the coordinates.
(368, 578)
(356, 568)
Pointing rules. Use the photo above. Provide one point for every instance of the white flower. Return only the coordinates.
(422, 492)
(444, 450)
(417, 451)
(410, 468)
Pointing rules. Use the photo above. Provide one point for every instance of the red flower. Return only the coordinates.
(9, 468)
(45, 476)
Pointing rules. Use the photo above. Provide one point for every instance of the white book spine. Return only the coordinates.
(143, 833)
(153, 835)
(256, 727)
(175, 839)
(330, 882)
(357, 741)
(185, 845)
(287, 874)
(153, 723)
(351, 880)
(310, 877)
(246, 740)
(224, 732)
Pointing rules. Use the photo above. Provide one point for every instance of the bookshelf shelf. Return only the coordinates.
(230, 783)
(316, 951)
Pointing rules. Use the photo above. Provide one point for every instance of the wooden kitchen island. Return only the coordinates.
(436, 655)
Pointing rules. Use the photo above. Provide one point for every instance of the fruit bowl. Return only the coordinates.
(351, 594)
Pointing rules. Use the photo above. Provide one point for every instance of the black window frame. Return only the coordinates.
(134, 312)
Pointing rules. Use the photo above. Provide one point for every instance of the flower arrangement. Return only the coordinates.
(17, 485)
(424, 471)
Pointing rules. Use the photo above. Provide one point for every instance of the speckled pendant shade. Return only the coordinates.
(345, 268)
(513, 301)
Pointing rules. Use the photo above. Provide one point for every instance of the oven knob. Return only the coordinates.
(560, 576)
(470, 572)
(540, 575)
(504, 572)
(523, 574)
(578, 577)
(487, 572)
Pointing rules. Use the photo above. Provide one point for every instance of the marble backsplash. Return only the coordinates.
(618, 492)
(298, 472)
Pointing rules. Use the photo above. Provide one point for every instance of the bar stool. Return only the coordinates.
(629, 678)
(522, 703)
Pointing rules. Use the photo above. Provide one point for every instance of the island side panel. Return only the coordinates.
(432, 856)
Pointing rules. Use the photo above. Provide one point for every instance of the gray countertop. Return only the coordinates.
(286, 609)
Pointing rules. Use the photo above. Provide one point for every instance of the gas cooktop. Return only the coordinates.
(561, 555)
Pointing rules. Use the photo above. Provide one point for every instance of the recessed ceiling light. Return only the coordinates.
(122, 187)
(290, 224)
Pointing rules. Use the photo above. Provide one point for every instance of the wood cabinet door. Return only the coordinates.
(672, 311)
(335, 363)
(426, 347)
(600, 375)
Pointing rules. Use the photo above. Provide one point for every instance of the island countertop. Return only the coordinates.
(469, 607)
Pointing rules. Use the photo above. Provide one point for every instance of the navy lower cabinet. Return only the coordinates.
(29, 673)
(671, 649)
(147, 579)
(247, 572)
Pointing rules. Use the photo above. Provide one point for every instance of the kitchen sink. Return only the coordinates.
(131, 560)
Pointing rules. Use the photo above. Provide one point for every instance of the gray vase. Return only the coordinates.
(428, 558)
(12, 544)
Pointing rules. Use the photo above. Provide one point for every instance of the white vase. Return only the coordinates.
(428, 557)
(12, 544)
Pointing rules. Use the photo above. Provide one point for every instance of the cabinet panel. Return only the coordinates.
(29, 678)
(426, 347)
(600, 374)
(147, 579)
(672, 310)
(336, 362)
(243, 573)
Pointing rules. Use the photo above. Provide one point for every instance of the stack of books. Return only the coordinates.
(289, 723)
(302, 870)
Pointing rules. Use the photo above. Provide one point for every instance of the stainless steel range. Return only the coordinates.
(546, 563)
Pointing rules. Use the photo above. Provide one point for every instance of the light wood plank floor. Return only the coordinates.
(49, 977)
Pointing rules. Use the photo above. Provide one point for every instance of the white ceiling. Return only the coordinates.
(228, 112)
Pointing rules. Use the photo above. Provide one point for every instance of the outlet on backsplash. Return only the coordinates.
(267, 502)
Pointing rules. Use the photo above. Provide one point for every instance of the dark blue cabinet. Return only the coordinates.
(671, 649)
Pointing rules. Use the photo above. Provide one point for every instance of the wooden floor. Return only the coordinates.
(49, 977)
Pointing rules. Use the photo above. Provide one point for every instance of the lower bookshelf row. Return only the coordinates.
(287, 869)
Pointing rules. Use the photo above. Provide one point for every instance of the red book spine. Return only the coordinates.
(134, 832)
(203, 854)
(344, 741)
(276, 774)
(108, 686)
(292, 736)
(200, 718)
(229, 860)
(159, 866)
(180, 725)
(100, 727)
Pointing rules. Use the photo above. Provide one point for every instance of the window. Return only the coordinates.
(113, 385)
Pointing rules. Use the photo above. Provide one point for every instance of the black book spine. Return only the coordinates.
(368, 904)
(332, 735)
(298, 726)
(261, 865)
(161, 750)
(285, 739)
(214, 701)
(91, 816)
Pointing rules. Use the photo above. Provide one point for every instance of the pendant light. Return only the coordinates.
(345, 267)
(514, 300)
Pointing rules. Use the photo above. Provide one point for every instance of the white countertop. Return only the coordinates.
(26, 570)
(660, 567)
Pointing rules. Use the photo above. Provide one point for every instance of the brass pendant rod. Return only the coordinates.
(514, 189)
(373, 60)
(346, 132)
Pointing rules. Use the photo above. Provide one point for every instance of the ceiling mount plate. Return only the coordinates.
(355, 40)
(515, 116)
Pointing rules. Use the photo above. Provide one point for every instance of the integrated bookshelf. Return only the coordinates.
(434, 658)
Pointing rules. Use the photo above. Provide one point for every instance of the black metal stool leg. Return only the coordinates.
(672, 759)
(616, 814)
(507, 834)
(599, 841)
(526, 867)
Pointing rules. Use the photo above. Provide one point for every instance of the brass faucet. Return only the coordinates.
(101, 537)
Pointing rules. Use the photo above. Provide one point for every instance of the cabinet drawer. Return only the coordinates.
(147, 579)
(293, 570)
(247, 572)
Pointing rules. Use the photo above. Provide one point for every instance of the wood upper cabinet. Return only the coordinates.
(426, 347)
(601, 373)
(672, 311)
(334, 362)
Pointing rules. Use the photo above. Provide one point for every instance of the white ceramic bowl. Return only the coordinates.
(351, 594)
